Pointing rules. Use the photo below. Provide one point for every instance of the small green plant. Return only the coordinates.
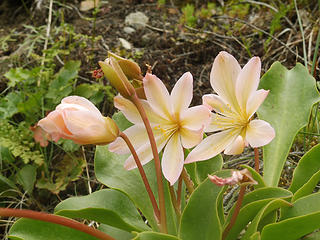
(188, 16)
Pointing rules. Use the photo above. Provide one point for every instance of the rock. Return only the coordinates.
(125, 44)
(88, 5)
(137, 20)
(129, 30)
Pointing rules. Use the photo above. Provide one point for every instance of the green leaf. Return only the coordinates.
(61, 87)
(116, 233)
(121, 121)
(200, 218)
(256, 176)
(269, 208)
(154, 236)
(28, 229)
(27, 177)
(67, 170)
(107, 206)
(110, 171)
(291, 229)
(296, 221)
(287, 109)
(199, 171)
(303, 206)
(252, 203)
(307, 167)
(20, 75)
(312, 236)
(9, 104)
(255, 236)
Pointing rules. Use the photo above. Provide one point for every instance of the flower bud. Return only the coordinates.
(123, 74)
(76, 118)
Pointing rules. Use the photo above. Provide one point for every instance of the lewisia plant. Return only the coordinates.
(175, 125)
(233, 107)
(179, 196)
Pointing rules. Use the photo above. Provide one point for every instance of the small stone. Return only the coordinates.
(125, 44)
(88, 5)
(137, 20)
(129, 30)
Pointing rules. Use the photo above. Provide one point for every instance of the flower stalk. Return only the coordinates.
(143, 175)
(46, 217)
(163, 221)
(236, 211)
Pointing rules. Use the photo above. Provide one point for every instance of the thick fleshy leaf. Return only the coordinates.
(269, 208)
(200, 218)
(182, 93)
(296, 221)
(252, 203)
(28, 229)
(116, 233)
(198, 171)
(256, 176)
(109, 170)
(287, 108)
(105, 206)
(308, 165)
(154, 236)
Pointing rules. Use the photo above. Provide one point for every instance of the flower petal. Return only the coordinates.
(190, 138)
(82, 102)
(212, 145)
(128, 109)
(138, 136)
(83, 124)
(259, 133)
(157, 95)
(145, 152)
(219, 122)
(255, 101)
(223, 77)
(217, 104)
(54, 124)
(182, 92)
(195, 117)
(236, 147)
(248, 81)
(172, 160)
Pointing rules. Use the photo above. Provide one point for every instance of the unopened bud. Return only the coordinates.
(237, 177)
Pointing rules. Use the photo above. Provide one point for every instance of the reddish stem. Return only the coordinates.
(163, 221)
(256, 160)
(235, 213)
(46, 217)
(143, 175)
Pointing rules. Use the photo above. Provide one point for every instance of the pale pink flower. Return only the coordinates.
(175, 126)
(40, 135)
(233, 109)
(76, 118)
(237, 177)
